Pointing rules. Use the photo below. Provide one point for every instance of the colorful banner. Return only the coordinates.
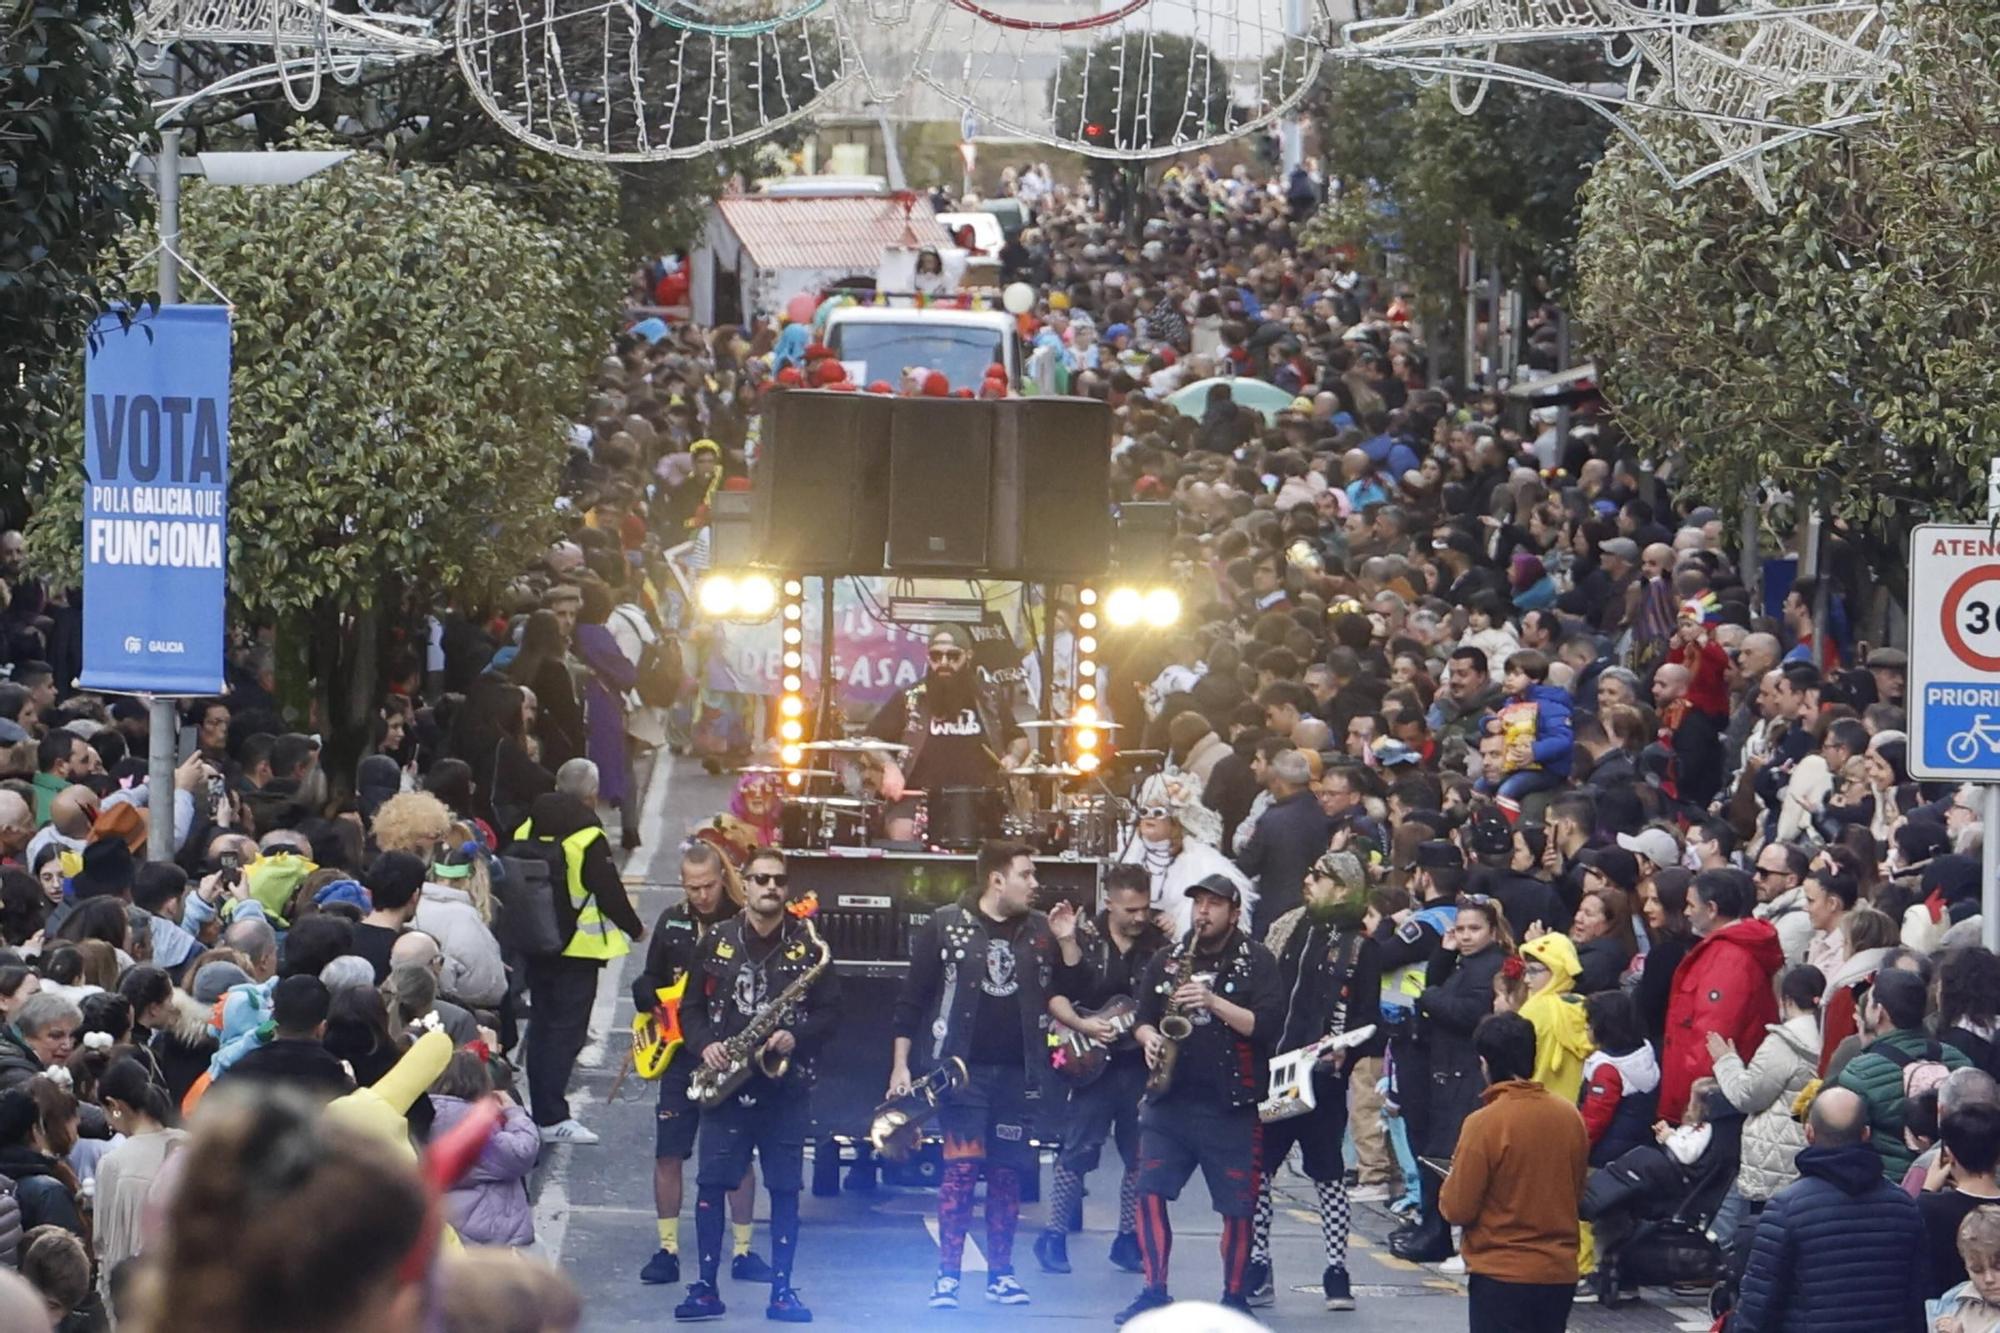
(156, 501)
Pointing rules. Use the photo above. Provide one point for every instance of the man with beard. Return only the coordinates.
(955, 730)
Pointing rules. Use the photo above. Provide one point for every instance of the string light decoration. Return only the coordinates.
(791, 696)
(1085, 740)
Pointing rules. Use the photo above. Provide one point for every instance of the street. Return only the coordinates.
(865, 1257)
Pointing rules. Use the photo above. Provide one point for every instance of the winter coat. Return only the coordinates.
(1516, 1179)
(1838, 1251)
(181, 1046)
(44, 1196)
(18, 1063)
(1562, 1037)
(1787, 912)
(1620, 1094)
(1206, 754)
(1460, 994)
(1554, 739)
(1290, 836)
(1723, 985)
(473, 973)
(1601, 963)
(1879, 1082)
(1764, 1090)
(489, 1204)
(1840, 1002)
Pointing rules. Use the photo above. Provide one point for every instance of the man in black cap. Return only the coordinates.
(1524, 901)
(957, 729)
(1891, 668)
(1225, 986)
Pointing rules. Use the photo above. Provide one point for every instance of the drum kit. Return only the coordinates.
(1051, 807)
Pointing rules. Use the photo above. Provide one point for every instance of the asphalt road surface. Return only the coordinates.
(867, 1258)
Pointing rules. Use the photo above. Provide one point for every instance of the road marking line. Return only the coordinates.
(975, 1258)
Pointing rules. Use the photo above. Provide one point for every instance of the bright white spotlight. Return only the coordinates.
(718, 595)
(756, 597)
(1124, 607)
(1163, 607)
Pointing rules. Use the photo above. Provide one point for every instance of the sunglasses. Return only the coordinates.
(779, 880)
(947, 654)
(1155, 812)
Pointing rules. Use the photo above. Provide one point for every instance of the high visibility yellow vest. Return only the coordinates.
(595, 936)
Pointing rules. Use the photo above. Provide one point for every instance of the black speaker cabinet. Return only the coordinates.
(940, 486)
(822, 486)
(1051, 489)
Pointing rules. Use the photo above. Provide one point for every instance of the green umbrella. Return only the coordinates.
(1256, 395)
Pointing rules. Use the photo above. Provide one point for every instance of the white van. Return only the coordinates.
(880, 342)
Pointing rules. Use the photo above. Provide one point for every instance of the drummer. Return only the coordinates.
(958, 731)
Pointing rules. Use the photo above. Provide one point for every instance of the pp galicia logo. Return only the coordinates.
(133, 643)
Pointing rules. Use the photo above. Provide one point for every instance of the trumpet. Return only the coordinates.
(1175, 1026)
(898, 1124)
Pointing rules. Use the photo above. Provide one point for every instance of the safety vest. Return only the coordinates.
(1401, 987)
(595, 936)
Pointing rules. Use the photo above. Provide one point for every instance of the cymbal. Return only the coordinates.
(862, 746)
(769, 771)
(1071, 724)
(1043, 771)
(830, 802)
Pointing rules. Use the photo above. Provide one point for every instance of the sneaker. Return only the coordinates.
(1125, 1253)
(703, 1302)
(1149, 1298)
(570, 1131)
(1339, 1294)
(1240, 1304)
(1407, 1206)
(1368, 1193)
(1452, 1267)
(662, 1269)
(750, 1267)
(1586, 1289)
(944, 1292)
(1052, 1252)
(1257, 1285)
(787, 1308)
(1002, 1289)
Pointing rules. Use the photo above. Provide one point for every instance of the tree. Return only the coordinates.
(72, 114)
(407, 349)
(1141, 92)
(1843, 345)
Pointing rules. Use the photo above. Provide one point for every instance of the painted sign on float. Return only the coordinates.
(156, 501)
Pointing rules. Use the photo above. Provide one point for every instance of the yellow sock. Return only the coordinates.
(742, 1232)
(670, 1234)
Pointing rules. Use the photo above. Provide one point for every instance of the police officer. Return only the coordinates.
(1112, 954)
(714, 894)
(1207, 1116)
(745, 965)
(1436, 878)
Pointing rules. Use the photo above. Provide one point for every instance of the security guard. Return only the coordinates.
(594, 915)
(1436, 878)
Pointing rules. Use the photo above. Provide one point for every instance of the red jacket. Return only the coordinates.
(1723, 985)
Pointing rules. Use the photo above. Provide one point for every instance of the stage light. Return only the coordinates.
(792, 684)
(755, 597)
(791, 705)
(1163, 607)
(1086, 763)
(1087, 596)
(1124, 607)
(1087, 620)
(1086, 691)
(717, 595)
(1086, 645)
(791, 755)
(792, 729)
(1086, 739)
(794, 635)
(793, 661)
(794, 588)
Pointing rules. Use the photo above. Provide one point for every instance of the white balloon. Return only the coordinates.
(1019, 298)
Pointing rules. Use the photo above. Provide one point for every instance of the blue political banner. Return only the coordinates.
(156, 501)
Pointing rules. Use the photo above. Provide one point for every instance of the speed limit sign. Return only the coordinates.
(1954, 686)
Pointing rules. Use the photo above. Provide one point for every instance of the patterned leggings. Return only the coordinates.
(1335, 1219)
(1156, 1245)
(1066, 1192)
(1003, 1214)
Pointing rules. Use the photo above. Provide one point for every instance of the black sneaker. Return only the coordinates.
(1125, 1253)
(1052, 1252)
(1339, 1294)
(1258, 1288)
(702, 1302)
(1586, 1290)
(1149, 1298)
(787, 1308)
(1240, 1304)
(750, 1268)
(663, 1269)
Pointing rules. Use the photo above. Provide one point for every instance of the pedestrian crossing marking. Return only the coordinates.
(975, 1258)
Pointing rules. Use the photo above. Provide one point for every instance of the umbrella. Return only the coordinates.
(1256, 395)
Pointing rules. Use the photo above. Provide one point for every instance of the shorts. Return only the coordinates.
(1175, 1138)
(774, 1126)
(1318, 1134)
(680, 1115)
(987, 1120)
(1097, 1112)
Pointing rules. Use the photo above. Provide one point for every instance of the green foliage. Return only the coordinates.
(1127, 93)
(1844, 344)
(72, 113)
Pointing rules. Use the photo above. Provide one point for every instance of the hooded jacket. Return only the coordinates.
(1620, 1093)
(1723, 985)
(1562, 1037)
(473, 973)
(1554, 739)
(1839, 1251)
(18, 1063)
(489, 1205)
(1878, 1080)
(1764, 1090)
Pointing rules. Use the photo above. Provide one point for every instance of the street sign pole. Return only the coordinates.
(1989, 820)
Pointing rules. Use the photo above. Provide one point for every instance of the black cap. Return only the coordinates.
(1489, 834)
(1218, 884)
(1436, 854)
(1614, 863)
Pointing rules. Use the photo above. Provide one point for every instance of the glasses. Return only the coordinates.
(758, 877)
(1474, 899)
(1155, 812)
(947, 654)
(1768, 870)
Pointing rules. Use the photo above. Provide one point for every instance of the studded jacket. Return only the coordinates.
(737, 977)
(940, 996)
(1220, 1069)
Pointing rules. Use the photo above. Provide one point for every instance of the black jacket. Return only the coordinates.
(672, 951)
(940, 995)
(1523, 901)
(1105, 974)
(556, 816)
(296, 1064)
(1214, 1056)
(1460, 994)
(1290, 835)
(739, 980)
(1231, 790)
(1330, 972)
(1604, 961)
(40, 1188)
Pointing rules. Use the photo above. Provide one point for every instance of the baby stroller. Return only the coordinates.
(1652, 1215)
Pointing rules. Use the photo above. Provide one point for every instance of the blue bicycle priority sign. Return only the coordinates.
(1954, 676)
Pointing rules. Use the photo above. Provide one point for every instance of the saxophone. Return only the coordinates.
(746, 1053)
(1175, 1026)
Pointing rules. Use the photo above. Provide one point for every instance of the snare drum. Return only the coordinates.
(961, 818)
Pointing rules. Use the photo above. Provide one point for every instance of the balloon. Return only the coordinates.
(1019, 298)
(799, 310)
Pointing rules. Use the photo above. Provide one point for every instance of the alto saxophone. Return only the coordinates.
(1175, 1026)
(746, 1051)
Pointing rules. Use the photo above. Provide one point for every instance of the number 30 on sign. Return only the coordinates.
(1954, 679)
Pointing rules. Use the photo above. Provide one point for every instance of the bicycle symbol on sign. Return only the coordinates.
(1964, 747)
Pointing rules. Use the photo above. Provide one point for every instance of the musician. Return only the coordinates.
(1112, 956)
(957, 728)
(744, 965)
(980, 975)
(714, 894)
(1228, 989)
(1332, 979)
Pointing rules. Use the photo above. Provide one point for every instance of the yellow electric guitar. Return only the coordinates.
(656, 1034)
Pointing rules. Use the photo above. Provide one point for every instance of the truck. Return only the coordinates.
(880, 342)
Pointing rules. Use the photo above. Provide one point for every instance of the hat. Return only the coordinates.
(1117, 331)
(1888, 659)
(1656, 845)
(11, 732)
(1614, 863)
(1390, 752)
(344, 891)
(1489, 834)
(1437, 854)
(1302, 404)
(1622, 547)
(108, 869)
(214, 981)
(1458, 541)
(956, 633)
(700, 447)
(1218, 884)
(1179, 794)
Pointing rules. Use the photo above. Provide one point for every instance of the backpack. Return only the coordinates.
(1921, 1073)
(525, 921)
(659, 669)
